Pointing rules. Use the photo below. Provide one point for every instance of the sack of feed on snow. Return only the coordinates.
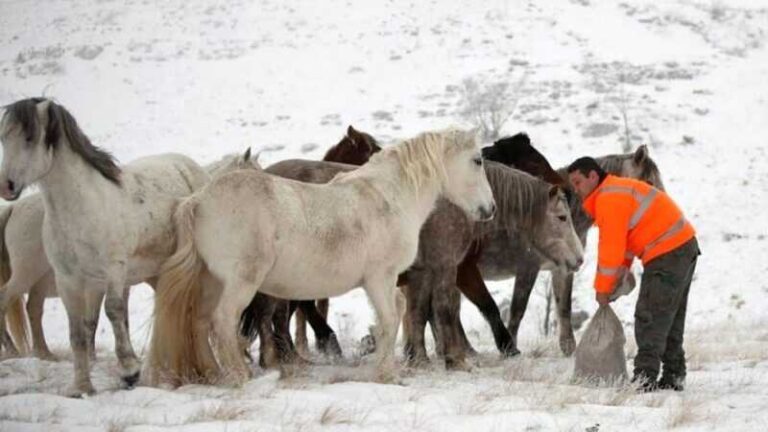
(600, 353)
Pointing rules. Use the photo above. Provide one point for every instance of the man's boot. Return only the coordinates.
(645, 382)
(671, 382)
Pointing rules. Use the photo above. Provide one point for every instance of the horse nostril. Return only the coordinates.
(11, 186)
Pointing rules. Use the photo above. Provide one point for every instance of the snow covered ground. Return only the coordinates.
(287, 77)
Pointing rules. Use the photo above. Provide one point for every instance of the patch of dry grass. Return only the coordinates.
(220, 412)
(687, 409)
(335, 415)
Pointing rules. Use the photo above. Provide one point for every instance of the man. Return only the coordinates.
(638, 220)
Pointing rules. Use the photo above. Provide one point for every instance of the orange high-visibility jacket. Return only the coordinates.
(635, 220)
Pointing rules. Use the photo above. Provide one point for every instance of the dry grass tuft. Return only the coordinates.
(685, 410)
(219, 412)
(335, 415)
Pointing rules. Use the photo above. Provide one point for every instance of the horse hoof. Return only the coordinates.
(457, 365)
(80, 391)
(47, 356)
(367, 345)
(330, 347)
(388, 378)
(510, 351)
(419, 362)
(131, 380)
(567, 346)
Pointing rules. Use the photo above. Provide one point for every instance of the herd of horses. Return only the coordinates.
(233, 250)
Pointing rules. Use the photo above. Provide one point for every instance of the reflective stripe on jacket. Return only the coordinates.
(635, 220)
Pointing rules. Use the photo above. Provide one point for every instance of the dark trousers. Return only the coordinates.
(660, 312)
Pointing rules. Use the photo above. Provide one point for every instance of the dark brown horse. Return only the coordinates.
(269, 318)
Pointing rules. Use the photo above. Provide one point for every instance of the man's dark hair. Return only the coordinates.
(586, 164)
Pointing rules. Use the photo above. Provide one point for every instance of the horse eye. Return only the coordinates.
(562, 218)
(478, 161)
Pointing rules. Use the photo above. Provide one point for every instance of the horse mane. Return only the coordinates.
(521, 199)
(518, 152)
(420, 158)
(62, 125)
(613, 163)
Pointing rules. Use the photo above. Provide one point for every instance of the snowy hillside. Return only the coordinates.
(686, 77)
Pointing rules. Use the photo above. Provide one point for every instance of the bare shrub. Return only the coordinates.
(488, 105)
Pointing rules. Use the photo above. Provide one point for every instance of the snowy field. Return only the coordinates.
(686, 77)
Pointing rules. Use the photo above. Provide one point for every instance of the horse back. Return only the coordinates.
(307, 170)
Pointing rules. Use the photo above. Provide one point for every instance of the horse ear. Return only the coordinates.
(553, 191)
(247, 155)
(255, 160)
(42, 111)
(354, 134)
(641, 154)
(48, 118)
(522, 138)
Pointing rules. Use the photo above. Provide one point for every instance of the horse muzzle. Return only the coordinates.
(573, 266)
(9, 190)
(485, 214)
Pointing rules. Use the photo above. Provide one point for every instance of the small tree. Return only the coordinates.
(488, 106)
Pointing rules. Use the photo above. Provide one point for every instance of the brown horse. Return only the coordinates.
(269, 318)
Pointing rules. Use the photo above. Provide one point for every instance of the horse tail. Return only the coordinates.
(174, 342)
(16, 318)
(18, 325)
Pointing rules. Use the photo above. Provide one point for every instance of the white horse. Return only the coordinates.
(29, 272)
(250, 231)
(104, 227)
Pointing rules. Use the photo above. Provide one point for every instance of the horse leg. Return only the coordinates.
(208, 366)
(302, 345)
(237, 294)
(72, 295)
(115, 307)
(281, 321)
(230, 356)
(263, 309)
(5, 339)
(462, 335)
(436, 335)
(470, 283)
(93, 300)
(35, 308)
(325, 338)
(524, 281)
(322, 308)
(562, 285)
(445, 308)
(418, 295)
(383, 295)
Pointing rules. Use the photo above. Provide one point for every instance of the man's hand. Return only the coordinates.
(603, 298)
